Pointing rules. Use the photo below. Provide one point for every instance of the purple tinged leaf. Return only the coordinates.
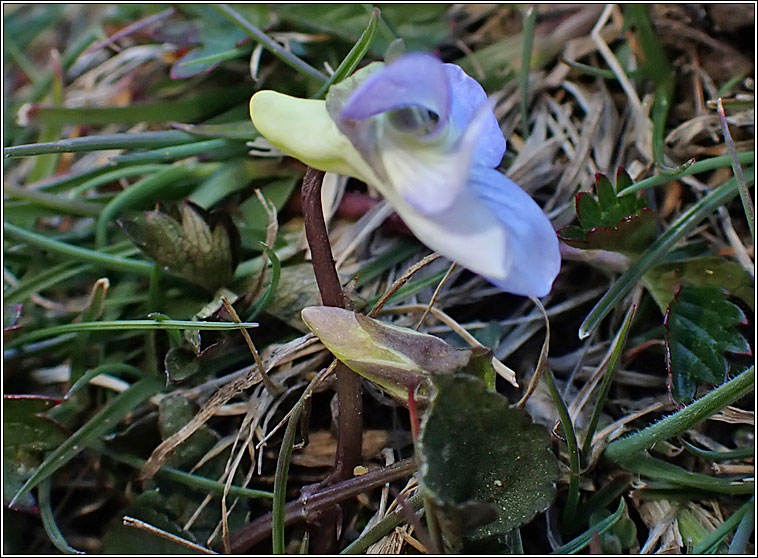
(395, 358)
(11, 317)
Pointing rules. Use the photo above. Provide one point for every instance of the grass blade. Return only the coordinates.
(712, 163)
(747, 203)
(269, 44)
(723, 530)
(190, 480)
(48, 520)
(88, 434)
(63, 249)
(616, 348)
(660, 470)
(673, 425)
(141, 140)
(125, 325)
(283, 465)
(354, 57)
(187, 109)
(598, 529)
(657, 250)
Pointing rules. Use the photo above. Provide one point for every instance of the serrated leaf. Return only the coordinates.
(199, 246)
(394, 358)
(701, 326)
(663, 281)
(611, 222)
(477, 449)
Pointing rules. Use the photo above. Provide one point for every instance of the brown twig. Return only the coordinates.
(310, 505)
(350, 421)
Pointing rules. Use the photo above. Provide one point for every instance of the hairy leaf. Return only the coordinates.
(479, 453)
(202, 247)
(701, 326)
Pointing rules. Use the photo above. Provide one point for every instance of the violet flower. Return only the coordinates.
(424, 135)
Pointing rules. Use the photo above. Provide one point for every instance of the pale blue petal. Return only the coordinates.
(431, 176)
(532, 244)
(414, 80)
(467, 98)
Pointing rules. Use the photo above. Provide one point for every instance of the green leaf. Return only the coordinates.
(297, 289)
(658, 250)
(151, 507)
(701, 328)
(477, 451)
(217, 41)
(611, 222)
(240, 130)
(27, 433)
(663, 281)
(88, 434)
(174, 412)
(198, 246)
(574, 546)
(395, 358)
(354, 57)
(182, 362)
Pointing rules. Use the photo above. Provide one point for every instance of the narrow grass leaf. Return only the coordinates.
(657, 250)
(125, 325)
(712, 163)
(354, 57)
(268, 295)
(633, 445)
(64, 250)
(48, 520)
(596, 530)
(88, 434)
(138, 140)
(660, 470)
(723, 530)
(617, 347)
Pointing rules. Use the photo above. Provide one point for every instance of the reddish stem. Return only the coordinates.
(350, 420)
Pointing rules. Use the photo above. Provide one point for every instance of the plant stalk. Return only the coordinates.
(350, 422)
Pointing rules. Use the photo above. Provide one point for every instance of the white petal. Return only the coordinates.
(430, 175)
(467, 232)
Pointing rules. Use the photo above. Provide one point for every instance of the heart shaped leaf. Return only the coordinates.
(482, 459)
